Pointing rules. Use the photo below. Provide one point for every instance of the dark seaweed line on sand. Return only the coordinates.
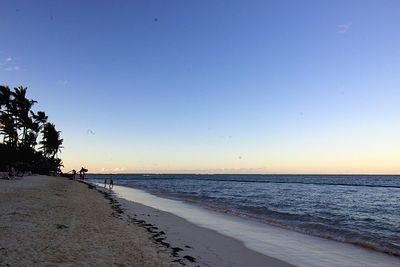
(158, 236)
(159, 240)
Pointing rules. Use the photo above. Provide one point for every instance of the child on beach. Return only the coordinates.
(111, 183)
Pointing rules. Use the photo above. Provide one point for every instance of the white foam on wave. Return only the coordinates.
(292, 247)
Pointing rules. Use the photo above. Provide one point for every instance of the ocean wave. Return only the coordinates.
(356, 214)
(304, 183)
(309, 225)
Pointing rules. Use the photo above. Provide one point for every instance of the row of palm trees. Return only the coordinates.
(20, 128)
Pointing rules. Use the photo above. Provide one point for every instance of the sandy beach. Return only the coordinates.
(196, 245)
(200, 133)
(220, 239)
(55, 221)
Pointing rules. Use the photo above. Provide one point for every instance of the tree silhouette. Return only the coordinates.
(51, 142)
(20, 127)
(8, 126)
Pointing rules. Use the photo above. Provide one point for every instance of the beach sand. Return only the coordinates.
(55, 221)
(222, 239)
(204, 246)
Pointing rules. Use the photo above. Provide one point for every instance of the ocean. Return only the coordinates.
(363, 210)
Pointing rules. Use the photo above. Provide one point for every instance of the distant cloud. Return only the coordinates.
(344, 28)
(11, 68)
(7, 65)
(110, 170)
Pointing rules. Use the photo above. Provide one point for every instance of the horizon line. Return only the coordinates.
(166, 173)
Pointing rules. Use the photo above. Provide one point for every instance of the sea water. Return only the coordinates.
(363, 210)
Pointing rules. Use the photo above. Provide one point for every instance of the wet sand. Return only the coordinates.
(220, 239)
(55, 221)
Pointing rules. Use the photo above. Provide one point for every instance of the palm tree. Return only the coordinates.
(30, 139)
(21, 108)
(51, 143)
(8, 129)
(20, 127)
(40, 117)
(36, 124)
(7, 124)
(5, 97)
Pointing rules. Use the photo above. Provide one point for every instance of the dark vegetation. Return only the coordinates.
(20, 130)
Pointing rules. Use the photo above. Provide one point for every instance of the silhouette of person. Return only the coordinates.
(82, 173)
(111, 183)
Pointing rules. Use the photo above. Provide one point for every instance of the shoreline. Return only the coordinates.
(279, 243)
(194, 244)
(360, 244)
(190, 244)
(54, 221)
(344, 210)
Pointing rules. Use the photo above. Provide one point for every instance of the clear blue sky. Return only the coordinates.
(212, 86)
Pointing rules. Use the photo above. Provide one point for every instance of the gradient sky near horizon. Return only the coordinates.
(212, 86)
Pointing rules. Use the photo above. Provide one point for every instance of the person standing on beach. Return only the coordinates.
(111, 183)
(105, 183)
(82, 173)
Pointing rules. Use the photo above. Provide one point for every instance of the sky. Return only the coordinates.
(212, 86)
